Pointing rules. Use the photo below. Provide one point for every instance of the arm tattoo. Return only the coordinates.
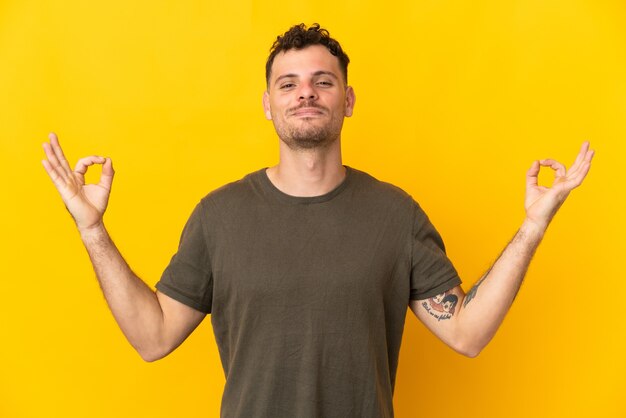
(441, 306)
(472, 292)
(526, 253)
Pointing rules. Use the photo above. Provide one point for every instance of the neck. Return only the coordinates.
(308, 173)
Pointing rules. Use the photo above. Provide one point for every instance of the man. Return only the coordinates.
(307, 267)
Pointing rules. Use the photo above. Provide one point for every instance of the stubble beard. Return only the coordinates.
(310, 136)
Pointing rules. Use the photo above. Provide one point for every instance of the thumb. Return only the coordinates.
(532, 175)
(106, 177)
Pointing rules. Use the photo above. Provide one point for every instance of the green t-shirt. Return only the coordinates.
(308, 295)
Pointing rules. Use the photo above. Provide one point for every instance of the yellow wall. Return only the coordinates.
(455, 99)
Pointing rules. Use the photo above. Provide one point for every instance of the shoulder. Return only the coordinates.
(389, 197)
(234, 193)
(374, 187)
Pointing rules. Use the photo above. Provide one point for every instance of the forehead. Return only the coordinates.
(306, 61)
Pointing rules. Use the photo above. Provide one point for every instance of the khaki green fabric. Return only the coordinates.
(308, 295)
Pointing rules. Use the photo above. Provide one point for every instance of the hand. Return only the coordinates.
(85, 202)
(542, 202)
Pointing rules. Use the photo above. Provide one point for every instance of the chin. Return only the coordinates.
(309, 142)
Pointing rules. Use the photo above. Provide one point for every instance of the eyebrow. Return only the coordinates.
(315, 74)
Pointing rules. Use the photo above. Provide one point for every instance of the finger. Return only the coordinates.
(581, 160)
(580, 157)
(581, 173)
(581, 154)
(106, 178)
(84, 163)
(57, 180)
(555, 165)
(532, 174)
(54, 162)
(56, 147)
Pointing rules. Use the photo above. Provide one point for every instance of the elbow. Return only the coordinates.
(153, 349)
(470, 352)
(150, 357)
(469, 348)
(151, 354)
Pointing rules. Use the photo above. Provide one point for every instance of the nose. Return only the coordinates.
(307, 92)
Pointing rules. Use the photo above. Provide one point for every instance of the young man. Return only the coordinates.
(307, 267)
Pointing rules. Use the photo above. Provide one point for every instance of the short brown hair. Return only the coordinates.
(299, 37)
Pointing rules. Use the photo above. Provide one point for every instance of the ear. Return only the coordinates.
(350, 100)
(266, 105)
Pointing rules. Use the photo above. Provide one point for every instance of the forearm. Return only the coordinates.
(469, 328)
(484, 307)
(153, 323)
(133, 304)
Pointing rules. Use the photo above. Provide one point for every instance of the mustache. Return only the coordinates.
(304, 104)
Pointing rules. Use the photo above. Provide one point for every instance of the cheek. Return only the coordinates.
(280, 105)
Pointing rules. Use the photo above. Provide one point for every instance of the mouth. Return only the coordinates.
(307, 112)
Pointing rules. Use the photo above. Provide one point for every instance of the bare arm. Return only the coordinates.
(468, 322)
(153, 323)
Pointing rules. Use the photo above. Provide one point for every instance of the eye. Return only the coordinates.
(286, 86)
(325, 83)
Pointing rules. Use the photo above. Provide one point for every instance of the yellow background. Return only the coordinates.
(454, 101)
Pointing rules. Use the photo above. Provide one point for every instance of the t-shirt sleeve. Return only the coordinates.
(188, 277)
(432, 271)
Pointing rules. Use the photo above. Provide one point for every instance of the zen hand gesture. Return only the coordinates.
(542, 202)
(85, 202)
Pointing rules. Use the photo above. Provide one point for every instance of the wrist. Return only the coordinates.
(534, 228)
(93, 231)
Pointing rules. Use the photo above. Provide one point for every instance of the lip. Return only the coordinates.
(308, 111)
